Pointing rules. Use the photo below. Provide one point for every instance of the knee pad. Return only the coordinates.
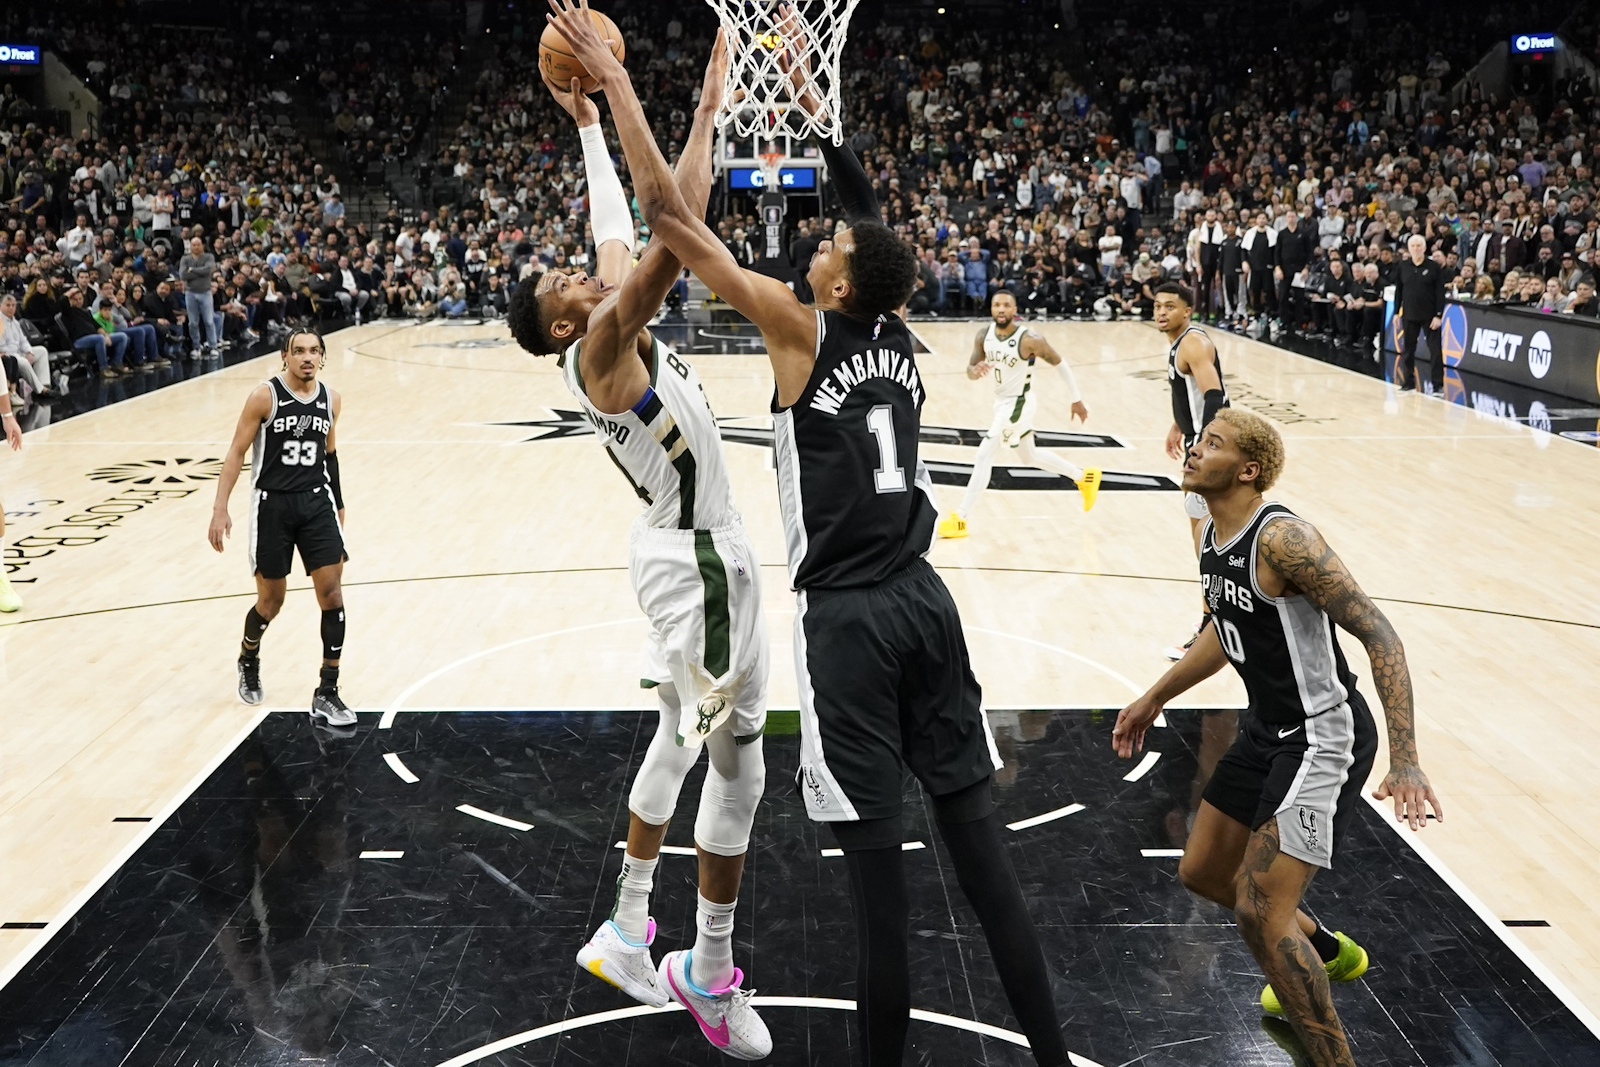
(735, 780)
(654, 796)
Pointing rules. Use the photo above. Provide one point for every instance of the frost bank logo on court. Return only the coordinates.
(160, 472)
(1539, 354)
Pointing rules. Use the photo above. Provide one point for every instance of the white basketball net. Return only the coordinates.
(758, 44)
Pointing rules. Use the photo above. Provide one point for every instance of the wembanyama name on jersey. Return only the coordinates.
(834, 389)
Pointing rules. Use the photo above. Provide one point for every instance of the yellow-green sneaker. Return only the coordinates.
(1347, 966)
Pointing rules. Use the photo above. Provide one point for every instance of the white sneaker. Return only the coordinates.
(725, 1015)
(611, 957)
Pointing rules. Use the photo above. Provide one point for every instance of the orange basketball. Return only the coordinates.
(557, 63)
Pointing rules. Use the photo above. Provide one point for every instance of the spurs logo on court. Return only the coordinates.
(1308, 826)
(163, 471)
(757, 431)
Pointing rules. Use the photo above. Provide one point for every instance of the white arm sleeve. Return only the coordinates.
(1073, 396)
(609, 215)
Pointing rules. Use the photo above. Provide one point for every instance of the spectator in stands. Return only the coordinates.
(33, 361)
(1584, 301)
(110, 349)
(197, 271)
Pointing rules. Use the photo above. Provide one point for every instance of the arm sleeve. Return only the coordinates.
(851, 181)
(609, 215)
(331, 462)
(1073, 396)
(1215, 401)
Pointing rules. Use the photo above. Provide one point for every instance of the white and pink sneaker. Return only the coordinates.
(611, 957)
(725, 1015)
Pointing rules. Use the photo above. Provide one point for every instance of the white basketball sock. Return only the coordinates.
(711, 963)
(632, 913)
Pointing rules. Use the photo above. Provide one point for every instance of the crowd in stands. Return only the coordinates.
(1076, 164)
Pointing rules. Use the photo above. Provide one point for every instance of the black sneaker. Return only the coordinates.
(326, 705)
(250, 679)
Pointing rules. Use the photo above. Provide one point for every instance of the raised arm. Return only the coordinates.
(1296, 552)
(609, 215)
(1036, 347)
(256, 408)
(788, 325)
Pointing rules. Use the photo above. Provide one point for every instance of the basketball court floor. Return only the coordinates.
(189, 881)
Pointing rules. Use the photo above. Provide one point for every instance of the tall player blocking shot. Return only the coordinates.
(296, 502)
(1007, 351)
(883, 671)
(1280, 800)
(694, 572)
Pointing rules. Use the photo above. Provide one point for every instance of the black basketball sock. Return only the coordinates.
(1325, 943)
(330, 677)
(255, 624)
(984, 871)
(883, 972)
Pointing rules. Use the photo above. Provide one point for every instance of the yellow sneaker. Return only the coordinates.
(1347, 966)
(9, 600)
(953, 525)
(1089, 486)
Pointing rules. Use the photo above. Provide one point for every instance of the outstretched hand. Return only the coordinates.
(794, 59)
(711, 89)
(573, 19)
(1412, 795)
(575, 102)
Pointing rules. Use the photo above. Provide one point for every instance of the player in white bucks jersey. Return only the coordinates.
(1007, 351)
(884, 676)
(1194, 378)
(296, 502)
(696, 576)
(1279, 801)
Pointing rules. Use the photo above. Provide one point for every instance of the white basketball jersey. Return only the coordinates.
(1011, 370)
(667, 445)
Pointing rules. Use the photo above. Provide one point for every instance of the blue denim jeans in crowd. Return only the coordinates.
(143, 345)
(201, 314)
(118, 344)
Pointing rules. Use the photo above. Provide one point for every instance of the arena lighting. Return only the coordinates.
(1524, 43)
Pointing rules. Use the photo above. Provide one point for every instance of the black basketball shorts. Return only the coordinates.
(282, 522)
(885, 685)
(1308, 775)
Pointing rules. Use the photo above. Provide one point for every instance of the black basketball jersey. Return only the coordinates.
(1282, 647)
(292, 444)
(857, 502)
(1188, 401)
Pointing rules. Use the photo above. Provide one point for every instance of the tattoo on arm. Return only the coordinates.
(977, 347)
(1296, 552)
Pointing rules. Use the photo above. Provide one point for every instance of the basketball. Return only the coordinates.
(559, 66)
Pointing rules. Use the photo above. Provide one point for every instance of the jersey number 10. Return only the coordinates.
(890, 477)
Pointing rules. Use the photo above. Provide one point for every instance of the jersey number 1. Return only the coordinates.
(890, 477)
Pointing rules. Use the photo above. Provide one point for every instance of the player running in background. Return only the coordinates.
(694, 571)
(1007, 352)
(1281, 798)
(885, 682)
(296, 502)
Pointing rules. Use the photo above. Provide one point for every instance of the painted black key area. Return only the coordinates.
(250, 931)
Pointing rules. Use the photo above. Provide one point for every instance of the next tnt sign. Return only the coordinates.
(19, 53)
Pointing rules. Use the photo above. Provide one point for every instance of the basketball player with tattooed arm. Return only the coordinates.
(1282, 797)
(296, 502)
(694, 572)
(883, 671)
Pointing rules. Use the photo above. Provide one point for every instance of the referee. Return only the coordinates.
(1419, 294)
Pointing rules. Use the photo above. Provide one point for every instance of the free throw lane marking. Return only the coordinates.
(1049, 816)
(908, 846)
(489, 816)
(667, 850)
(382, 854)
(400, 768)
(1143, 768)
(1161, 853)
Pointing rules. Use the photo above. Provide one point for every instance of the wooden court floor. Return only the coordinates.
(488, 539)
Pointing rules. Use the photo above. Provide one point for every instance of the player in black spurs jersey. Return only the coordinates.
(884, 677)
(1194, 374)
(1281, 797)
(295, 503)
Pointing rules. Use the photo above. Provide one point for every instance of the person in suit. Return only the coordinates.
(1419, 294)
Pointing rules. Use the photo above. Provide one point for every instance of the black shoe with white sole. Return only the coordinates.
(250, 679)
